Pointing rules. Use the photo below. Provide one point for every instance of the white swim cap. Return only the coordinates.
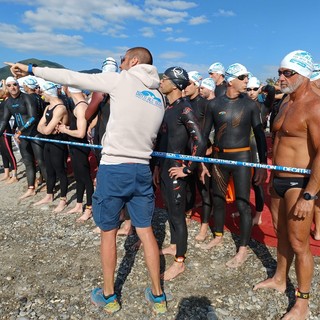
(234, 71)
(31, 82)
(216, 67)
(49, 88)
(209, 84)
(195, 77)
(299, 61)
(11, 79)
(253, 83)
(109, 65)
(316, 72)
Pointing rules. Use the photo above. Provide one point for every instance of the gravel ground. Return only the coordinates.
(50, 263)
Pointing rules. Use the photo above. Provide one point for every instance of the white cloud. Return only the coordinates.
(224, 13)
(180, 39)
(147, 32)
(198, 20)
(172, 55)
(167, 16)
(175, 5)
(168, 29)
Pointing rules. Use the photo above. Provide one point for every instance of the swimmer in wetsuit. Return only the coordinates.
(233, 116)
(216, 72)
(77, 132)
(178, 127)
(22, 107)
(54, 153)
(199, 107)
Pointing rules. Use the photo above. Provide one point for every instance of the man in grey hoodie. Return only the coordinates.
(136, 112)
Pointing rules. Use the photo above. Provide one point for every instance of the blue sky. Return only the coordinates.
(193, 34)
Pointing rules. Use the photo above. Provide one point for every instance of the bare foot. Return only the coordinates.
(239, 259)
(202, 235)
(47, 199)
(30, 193)
(171, 250)
(86, 215)
(257, 219)
(173, 271)
(213, 243)
(13, 179)
(271, 283)
(300, 311)
(96, 230)
(62, 204)
(315, 235)
(5, 177)
(76, 209)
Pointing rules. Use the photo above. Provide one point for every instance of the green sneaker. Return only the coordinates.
(110, 305)
(159, 304)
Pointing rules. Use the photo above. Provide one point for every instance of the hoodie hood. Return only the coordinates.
(147, 74)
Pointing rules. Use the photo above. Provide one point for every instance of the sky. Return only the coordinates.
(192, 34)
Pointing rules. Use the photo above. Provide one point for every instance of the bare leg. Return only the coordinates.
(76, 209)
(316, 232)
(62, 204)
(126, 230)
(217, 240)
(257, 219)
(201, 236)
(174, 270)
(108, 259)
(47, 199)
(151, 256)
(171, 250)
(284, 250)
(86, 215)
(188, 216)
(239, 259)
(30, 193)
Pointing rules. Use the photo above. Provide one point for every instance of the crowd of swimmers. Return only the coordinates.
(224, 116)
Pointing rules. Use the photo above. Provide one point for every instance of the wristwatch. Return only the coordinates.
(308, 196)
(185, 170)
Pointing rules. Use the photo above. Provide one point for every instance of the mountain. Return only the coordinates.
(5, 71)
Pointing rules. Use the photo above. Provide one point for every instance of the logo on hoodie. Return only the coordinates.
(149, 97)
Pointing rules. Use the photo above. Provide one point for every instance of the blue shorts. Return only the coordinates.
(123, 184)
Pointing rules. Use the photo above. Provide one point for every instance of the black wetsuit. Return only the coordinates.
(80, 162)
(26, 118)
(55, 155)
(179, 125)
(8, 158)
(233, 120)
(265, 109)
(220, 89)
(199, 107)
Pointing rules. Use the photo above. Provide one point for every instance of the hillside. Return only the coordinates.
(5, 71)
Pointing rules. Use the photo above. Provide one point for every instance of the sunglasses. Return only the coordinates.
(252, 89)
(242, 77)
(14, 84)
(287, 73)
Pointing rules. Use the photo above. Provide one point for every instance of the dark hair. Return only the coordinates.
(143, 54)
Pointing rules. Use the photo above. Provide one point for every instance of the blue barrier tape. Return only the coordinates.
(183, 156)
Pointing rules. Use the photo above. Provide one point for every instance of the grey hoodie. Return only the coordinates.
(136, 109)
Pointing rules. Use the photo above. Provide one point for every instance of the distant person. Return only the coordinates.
(54, 152)
(217, 73)
(207, 88)
(293, 196)
(21, 106)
